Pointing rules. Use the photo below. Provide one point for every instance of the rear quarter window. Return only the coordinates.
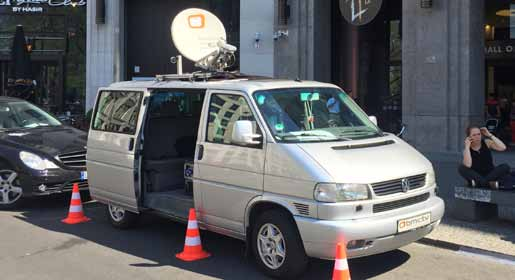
(117, 111)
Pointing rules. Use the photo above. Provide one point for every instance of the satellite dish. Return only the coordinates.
(200, 36)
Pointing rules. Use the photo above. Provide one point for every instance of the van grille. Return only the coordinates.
(303, 209)
(387, 206)
(74, 159)
(395, 186)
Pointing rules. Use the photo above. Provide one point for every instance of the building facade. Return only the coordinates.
(428, 64)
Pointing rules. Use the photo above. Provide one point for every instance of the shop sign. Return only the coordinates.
(500, 49)
(360, 12)
(37, 6)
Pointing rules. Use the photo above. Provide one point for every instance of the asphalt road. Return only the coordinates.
(34, 244)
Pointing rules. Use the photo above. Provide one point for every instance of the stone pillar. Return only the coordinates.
(443, 72)
(257, 16)
(306, 52)
(105, 48)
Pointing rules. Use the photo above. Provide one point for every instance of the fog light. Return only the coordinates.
(355, 244)
(42, 188)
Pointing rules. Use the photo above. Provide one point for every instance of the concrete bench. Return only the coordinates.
(475, 204)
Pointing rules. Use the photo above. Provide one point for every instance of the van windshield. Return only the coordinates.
(313, 115)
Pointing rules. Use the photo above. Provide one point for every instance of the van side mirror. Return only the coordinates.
(373, 119)
(243, 134)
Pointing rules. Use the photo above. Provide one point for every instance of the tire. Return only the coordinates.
(295, 261)
(120, 218)
(7, 187)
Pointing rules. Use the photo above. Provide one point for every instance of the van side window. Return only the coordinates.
(117, 111)
(224, 111)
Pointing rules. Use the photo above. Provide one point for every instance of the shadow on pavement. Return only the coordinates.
(156, 241)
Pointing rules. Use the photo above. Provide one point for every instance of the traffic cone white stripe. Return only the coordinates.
(192, 241)
(341, 264)
(192, 225)
(75, 195)
(75, 208)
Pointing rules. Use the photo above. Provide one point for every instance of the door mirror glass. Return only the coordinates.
(243, 133)
(373, 119)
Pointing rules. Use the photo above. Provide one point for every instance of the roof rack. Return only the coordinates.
(208, 76)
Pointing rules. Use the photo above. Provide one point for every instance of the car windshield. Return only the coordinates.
(21, 114)
(313, 115)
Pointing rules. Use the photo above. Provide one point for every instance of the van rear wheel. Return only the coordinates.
(277, 246)
(120, 218)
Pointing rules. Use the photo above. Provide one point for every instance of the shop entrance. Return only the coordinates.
(367, 56)
(500, 65)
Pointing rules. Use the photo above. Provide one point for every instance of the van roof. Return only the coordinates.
(244, 84)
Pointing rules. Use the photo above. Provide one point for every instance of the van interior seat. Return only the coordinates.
(170, 140)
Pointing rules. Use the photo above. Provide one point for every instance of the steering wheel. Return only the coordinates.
(332, 123)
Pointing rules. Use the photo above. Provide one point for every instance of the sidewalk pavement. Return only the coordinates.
(492, 236)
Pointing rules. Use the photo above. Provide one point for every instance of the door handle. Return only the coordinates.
(131, 144)
(200, 154)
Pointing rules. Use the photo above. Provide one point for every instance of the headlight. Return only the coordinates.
(36, 162)
(341, 192)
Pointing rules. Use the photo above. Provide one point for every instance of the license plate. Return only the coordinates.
(413, 222)
(84, 175)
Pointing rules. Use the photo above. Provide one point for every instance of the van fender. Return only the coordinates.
(267, 198)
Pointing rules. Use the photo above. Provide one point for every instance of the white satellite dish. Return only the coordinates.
(200, 36)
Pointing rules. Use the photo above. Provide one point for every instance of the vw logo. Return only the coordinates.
(405, 184)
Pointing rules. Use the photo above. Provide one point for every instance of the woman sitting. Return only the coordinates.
(478, 167)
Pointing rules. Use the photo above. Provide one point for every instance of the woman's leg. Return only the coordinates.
(470, 174)
(498, 173)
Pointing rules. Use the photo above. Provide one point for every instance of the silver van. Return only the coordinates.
(291, 167)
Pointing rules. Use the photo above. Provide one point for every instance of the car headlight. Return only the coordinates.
(325, 192)
(36, 162)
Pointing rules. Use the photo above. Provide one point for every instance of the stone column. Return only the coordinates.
(443, 72)
(105, 48)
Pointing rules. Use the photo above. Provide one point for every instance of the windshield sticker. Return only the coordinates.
(309, 96)
(261, 99)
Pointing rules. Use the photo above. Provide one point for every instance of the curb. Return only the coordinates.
(462, 248)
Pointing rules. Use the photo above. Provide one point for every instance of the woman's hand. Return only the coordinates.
(485, 132)
(468, 141)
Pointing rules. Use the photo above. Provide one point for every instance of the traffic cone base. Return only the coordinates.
(75, 214)
(192, 246)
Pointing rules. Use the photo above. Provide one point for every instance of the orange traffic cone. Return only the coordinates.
(192, 246)
(75, 215)
(341, 267)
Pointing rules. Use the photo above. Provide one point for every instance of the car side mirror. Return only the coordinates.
(373, 119)
(243, 134)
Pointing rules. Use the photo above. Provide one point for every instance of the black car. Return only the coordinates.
(38, 154)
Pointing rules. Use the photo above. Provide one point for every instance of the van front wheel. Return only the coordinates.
(120, 218)
(277, 247)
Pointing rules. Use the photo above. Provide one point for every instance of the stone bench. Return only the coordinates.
(475, 204)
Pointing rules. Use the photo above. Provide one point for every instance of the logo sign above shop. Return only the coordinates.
(360, 12)
(36, 6)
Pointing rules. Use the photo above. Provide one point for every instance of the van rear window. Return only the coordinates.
(117, 111)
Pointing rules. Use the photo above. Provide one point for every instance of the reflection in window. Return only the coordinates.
(224, 111)
(117, 112)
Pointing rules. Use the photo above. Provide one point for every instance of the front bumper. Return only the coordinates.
(55, 181)
(378, 234)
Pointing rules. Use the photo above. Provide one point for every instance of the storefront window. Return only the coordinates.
(56, 40)
(499, 95)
